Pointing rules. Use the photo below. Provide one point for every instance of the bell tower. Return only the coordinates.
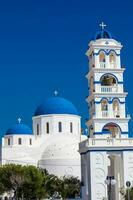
(106, 100)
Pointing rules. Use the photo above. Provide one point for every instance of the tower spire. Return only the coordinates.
(102, 25)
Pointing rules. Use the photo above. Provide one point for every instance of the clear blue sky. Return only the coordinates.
(42, 49)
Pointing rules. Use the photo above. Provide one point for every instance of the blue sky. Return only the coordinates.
(42, 49)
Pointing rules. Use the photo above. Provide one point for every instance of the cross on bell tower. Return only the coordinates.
(102, 25)
(107, 97)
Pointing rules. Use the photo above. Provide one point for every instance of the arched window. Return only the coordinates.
(104, 108)
(112, 129)
(112, 60)
(8, 141)
(104, 105)
(115, 105)
(30, 141)
(19, 141)
(71, 127)
(60, 127)
(47, 127)
(37, 129)
(116, 108)
(108, 80)
(102, 59)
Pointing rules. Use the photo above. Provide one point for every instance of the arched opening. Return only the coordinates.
(112, 60)
(116, 108)
(102, 59)
(71, 127)
(30, 141)
(37, 129)
(8, 141)
(104, 108)
(60, 127)
(19, 141)
(47, 127)
(108, 83)
(112, 129)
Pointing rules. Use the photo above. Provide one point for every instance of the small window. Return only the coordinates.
(60, 126)
(19, 141)
(30, 141)
(71, 127)
(9, 141)
(37, 129)
(47, 127)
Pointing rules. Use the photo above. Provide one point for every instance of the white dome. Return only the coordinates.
(61, 156)
(63, 147)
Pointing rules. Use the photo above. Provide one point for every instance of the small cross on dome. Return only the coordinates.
(55, 93)
(102, 25)
(19, 120)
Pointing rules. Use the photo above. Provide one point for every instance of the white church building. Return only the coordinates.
(53, 144)
(107, 155)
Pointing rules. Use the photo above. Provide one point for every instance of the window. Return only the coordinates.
(60, 127)
(47, 127)
(102, 60)
(30, 141)
(19, 141)
(71, 127)
(37, 129)
(8, 141)
(112, 60)
(104, 105)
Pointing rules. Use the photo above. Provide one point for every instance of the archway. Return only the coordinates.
(108, 80)
(113, 129)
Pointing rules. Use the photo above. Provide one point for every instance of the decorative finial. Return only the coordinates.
(102, 25)
(55, 93)
(19, 120)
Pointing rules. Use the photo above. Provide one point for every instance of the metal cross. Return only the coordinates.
(55, 93)
(102, 25)
(19, 120)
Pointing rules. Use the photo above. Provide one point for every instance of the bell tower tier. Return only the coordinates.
(106, 100)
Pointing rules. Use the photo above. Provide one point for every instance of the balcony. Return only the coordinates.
(114, 114)
(102, 65)
(112, 65)
(105, 113)
(109, 89)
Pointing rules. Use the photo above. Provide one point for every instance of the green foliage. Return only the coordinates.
(31, 183)
(70, 187)
(130, 193)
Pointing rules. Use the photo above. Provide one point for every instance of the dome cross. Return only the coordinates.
(55, 93)
(102, 25)
(19, 120)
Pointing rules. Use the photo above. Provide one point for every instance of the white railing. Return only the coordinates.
(112, 65)
(109, 89)
(102, 64)
(104, 113)
(107, 142)
(116, 113)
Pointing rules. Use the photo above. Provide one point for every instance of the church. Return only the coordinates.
(107, 155)
(53, 142)
(105, 158)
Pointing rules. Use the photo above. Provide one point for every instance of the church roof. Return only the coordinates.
(19, 129)
(103, 34)
(56, 105)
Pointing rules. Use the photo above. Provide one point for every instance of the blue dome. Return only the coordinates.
(103, 34)
(19, 129)
(56, 105)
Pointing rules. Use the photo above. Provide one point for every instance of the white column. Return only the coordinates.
(107, 61)
(96, 61)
